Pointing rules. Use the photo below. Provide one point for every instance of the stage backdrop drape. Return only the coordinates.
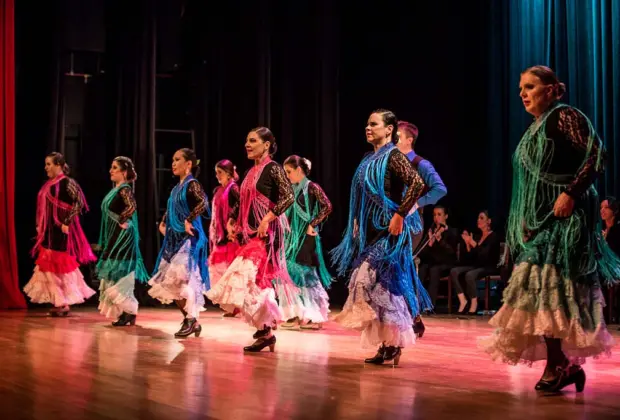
(580, 40)
(10, 295)
(130, 89)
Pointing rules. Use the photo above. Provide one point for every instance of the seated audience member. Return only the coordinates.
(479, 257)
(439, 256)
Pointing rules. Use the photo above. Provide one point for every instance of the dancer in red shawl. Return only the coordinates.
(61, 244)
(247, 284)
(225, 205)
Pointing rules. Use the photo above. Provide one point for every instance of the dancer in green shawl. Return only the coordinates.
(553, 305)
(304, 254)
(121, 263)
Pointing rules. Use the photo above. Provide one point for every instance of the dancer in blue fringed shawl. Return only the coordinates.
(181, 271)
(120, 264)
(553, 305)
(380, 234)
(304, 253)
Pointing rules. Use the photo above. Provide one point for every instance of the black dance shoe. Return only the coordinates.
(261, 343)
(418, 327)
(190, 326)
(571, 375)
(261, 333)
(386, 354)
(125, 319)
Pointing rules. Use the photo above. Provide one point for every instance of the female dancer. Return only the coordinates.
(553, 298)
(379, 233)
(304, 253)
(225, 205)
(181, 273)
(248, 283)
(61, 244)
(121, 263)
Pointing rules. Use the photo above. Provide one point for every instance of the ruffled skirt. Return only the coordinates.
(57, 279)
(538, 303)
(238, 288)
(311, 302)
(220, 259)
(175, 281)
(118, 297)
(381, 316)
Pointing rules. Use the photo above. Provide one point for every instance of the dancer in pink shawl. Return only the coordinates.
(225, 206)
(61, 244)
(247, 284)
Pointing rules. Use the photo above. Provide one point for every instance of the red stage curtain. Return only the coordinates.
(10, 295)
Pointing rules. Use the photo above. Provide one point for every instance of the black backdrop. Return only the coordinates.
(312, 71)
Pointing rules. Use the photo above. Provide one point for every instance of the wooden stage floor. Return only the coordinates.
(82, 367)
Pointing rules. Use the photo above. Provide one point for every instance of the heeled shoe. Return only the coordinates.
(125, 319)
(190, 326)
(261, 343)
(378, 358)
(261, 333)
(392, 353)
(385, 354)
(311, 326)
(291, 323)
(418, 327)
(571, 375)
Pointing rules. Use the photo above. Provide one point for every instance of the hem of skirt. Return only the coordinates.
(519, 337)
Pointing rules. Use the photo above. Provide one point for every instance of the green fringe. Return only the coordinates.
(299, 219)
(126, 250)
(534, 193)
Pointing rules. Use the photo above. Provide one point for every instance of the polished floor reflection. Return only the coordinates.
(82, 367)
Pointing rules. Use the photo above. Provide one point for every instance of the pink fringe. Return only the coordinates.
(221, 210)
(224, 254)
(77, 244)
(252, 200)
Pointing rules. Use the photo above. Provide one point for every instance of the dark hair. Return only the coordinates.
(548, 77)
(389, 118)
(59, 159)
(266, 135)
(126, 165)
(411, 129)
(228, 167)
(613, 204)
(442, 207)
(299, 162)
(190, 156)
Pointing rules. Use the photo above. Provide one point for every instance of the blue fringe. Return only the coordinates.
(390, 256)
(178, 211)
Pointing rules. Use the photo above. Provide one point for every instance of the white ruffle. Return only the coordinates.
(174, 281)
(237, 289)
(58, 289)
(118, 297)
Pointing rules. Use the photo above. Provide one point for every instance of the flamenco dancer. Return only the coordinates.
(304, 253)
(121, 262)
(247, 284)
(181, 272)
(377, 245)
(225, 205)
(553, 305)
(61, 245)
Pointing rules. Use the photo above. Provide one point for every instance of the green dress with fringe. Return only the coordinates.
(120, 264)
(559, 263)
(304, 254)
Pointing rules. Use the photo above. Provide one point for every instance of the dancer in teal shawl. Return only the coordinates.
(181, 271)
(553, 305)
(304, 252)
(377, 245)
(121, 263)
